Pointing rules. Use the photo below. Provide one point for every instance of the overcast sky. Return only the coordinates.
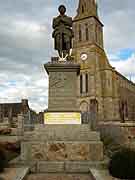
(26, 44)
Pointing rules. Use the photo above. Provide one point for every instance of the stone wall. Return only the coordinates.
(127, 97)
(122, 133)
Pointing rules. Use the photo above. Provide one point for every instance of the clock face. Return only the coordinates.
(84, 56)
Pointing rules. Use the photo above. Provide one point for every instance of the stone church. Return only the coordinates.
(101, 89)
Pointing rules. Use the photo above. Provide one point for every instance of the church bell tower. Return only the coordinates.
(88, 51)
(88, 30)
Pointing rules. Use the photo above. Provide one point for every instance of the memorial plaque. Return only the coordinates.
(62, 118)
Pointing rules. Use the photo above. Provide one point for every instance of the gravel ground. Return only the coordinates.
(9, 174)
(13, 173)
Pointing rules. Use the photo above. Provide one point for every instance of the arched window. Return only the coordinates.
(84, 106)
(87, 32)
(96, 34)
(126, 109)
(94, 105)
(80, 33)
(86, 82)
(82, 9)
(81, 84)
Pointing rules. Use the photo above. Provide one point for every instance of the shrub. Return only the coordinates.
(122, 164)
(3, 160)
(110, 145)
(11, 150)
(14, 147)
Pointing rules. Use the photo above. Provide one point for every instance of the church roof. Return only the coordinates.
(86, 9)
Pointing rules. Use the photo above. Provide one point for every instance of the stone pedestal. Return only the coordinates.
(62, 86)
(62, 148)
(62, 100)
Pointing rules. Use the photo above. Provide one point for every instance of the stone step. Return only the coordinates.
(64, 166)
(64, 126)
(101, 174)
(63, 133)
(67, 167)
(62, 137)
(59, 176)
(22, 173)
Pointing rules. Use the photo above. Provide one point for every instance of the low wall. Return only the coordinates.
(122, 133)
(101, 174)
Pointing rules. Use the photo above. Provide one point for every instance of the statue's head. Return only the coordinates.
(62, 9)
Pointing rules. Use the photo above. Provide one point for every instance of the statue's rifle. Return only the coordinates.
(61, 43)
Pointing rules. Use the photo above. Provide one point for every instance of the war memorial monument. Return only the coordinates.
(63, 144)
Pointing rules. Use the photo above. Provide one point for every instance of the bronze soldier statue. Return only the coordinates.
(62, 33)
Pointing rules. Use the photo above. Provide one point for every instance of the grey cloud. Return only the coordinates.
(109, 6)
(24, 8)
(118, 18)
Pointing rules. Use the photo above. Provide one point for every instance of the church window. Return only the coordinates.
(82, 9)
(126, 109)
(109, 82)
(86, 82)
(87, 32)
(96, 38)
(100, 36)
(81, 84)
(80, 33)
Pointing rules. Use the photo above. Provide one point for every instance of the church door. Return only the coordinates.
(94, 113)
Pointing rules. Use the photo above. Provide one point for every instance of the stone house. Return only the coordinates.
(9, 111)
(101, 89)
